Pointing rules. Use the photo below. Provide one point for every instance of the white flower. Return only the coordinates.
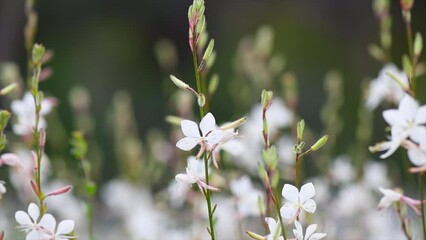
(211, 135)
(310, 235)
(274, 229)
(48, 225)
(2, 189)
(385, 88)
(195, 173)
(389, 196)
(405, 122)
(298, 201)
(25, 111)
(417, 154)
(247, 196)
(45, 228)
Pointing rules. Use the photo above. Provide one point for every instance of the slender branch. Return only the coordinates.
(421, 191)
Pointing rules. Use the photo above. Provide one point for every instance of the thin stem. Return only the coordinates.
(404, 226)
(421, 191)
(198, 79)
(277, 207)
(208, 199)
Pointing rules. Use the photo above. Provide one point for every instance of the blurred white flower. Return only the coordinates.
(310, 232)
(25, 111)
(389, 196)
(48, 225)
(385, 88)
(375, 175)
(342, 170)
(211, 135)
(2, 189)
(406, 122)
(274, 229)
(417, 153)
(195, 173)
(298, 201)
(247, 196)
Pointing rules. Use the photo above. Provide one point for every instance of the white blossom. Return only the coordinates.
(310, 232)
(417, 154)
(25, 111)
(389, 196)
(298, 200)
(274, 229)
(195, 173)
(386, 88)
(2, 189)
(247, 196)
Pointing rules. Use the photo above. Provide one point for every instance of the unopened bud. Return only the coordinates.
(406, 64)
(34, 159)
(418, 44)
(59, 191)
(4, 118)
(2, 235)
(406, 5)
(38, 53)
(266, 98)
(234, 124)
(201, 100)
(209, 50)
(42, 138)
(255, 236)
(34, 187)
(9, 88)
(179, 83)
(213, 84)
(174, 120)
(319, 143)
(300, 129)
(200, 25)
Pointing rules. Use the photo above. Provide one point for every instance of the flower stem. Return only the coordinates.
(207, 192)
(421, 191)
(277, 207)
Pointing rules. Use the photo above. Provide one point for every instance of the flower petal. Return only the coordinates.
(310, 230)
(207, 124)
(408, 107)
(187, 143)
(288, 211)
(185, 178)
(291, 193)
(48, 222)
(393, 117)
(65, 227)
(190, 129)
(317, 236)
(306, 192)
(298, 232)
(22, 218)
(215, 137)
(421, 115)
(417, 156)
(33, 211)
(310, 206)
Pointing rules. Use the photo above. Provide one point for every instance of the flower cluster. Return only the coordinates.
(44, 227)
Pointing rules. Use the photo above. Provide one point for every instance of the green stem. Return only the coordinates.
(277, 207)
(421, 191)
(207, 192)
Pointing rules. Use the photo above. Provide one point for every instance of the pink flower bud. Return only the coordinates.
(59, 191)
(10, 159)
(42, 138)
(35, 162)
(34, 187)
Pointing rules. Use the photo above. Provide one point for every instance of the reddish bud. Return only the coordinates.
(2, 235)
(45, 74)
(60, 191)
(406, 5)
(42, 138)
(35, 162)
(34, 187)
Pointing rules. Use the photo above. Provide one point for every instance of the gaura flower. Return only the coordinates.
(195, 173)
(391, 196)
(274, 229)
(406, 122)
(298, 200)
(25, 111)
(310, 232)
(211, 135)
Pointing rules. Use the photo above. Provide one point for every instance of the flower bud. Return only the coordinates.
(300, 128)
(234, 124)
(179, 83)
(34, 187)
(4, 118)
(270, 157)
(38, 52)
(266, 98)
(9, 88)
(418, 44)
(406, 5)
(174, 120)
(255, 236)
(42, 138)
(201, 100)
(209, 50)
(319, 143)
(59, 191)
(213, 84)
